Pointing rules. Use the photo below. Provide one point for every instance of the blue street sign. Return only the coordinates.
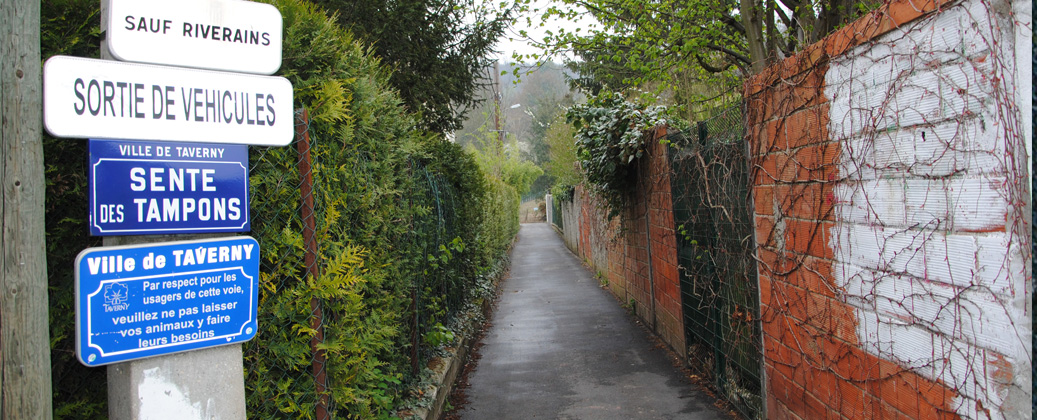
(148, 187)
(147, 300)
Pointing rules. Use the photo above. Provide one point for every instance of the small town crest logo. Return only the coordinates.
(116, 297)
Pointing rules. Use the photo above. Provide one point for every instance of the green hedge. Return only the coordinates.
(407, 227)
(502, 213)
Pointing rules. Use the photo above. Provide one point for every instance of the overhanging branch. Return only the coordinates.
(732, 53)
(709, 67)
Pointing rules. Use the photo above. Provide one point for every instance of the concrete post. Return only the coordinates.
(549, 209)
(207, 384)
(202, 384)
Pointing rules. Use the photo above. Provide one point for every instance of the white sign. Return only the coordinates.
(229, 35)
(102, 99)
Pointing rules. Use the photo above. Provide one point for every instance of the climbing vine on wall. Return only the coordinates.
(610, 137)
(888, 190)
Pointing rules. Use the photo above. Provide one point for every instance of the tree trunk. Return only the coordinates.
(753, 21)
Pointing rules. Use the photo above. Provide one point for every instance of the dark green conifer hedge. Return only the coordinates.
(408, 229)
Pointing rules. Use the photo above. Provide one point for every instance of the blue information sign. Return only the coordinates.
(148, 187)
(147, 300)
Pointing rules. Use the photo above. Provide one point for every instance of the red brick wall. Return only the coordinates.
(814, 366)
(638, 257)
(662, 244)
(815, 363)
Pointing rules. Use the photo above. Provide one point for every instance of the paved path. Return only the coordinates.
(561, 347)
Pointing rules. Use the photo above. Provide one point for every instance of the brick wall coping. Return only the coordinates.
(889, 16)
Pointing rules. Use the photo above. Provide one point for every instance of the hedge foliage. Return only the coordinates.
(408, 229)
(611, 135)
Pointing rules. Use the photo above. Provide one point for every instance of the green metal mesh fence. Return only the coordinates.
(719, 287)
(287, 373)
(439, 292)
(556, 212)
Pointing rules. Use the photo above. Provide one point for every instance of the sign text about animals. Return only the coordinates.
(147, 300)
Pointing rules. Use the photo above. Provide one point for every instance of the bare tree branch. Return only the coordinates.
(732, 53)
(709, 67)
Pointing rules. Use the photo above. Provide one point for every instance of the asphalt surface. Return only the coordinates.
(561, 347)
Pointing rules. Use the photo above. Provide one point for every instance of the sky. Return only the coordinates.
(513, 42)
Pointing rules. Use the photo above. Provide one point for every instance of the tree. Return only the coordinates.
(562, 151)
(437, 50)
(640, 41)
(501, 160)
(533, 102)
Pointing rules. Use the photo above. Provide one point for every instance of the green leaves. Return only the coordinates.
(439, 336)
(437, 49)
(699, 50)
(610, 137)
(387, 198)
(385, 195)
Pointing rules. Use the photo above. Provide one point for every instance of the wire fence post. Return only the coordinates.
(320, 378)
(415, 355)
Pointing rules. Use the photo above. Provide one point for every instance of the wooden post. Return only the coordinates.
(25, 389)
